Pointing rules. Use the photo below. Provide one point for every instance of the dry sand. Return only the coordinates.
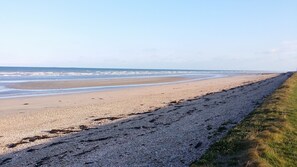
(108, 129)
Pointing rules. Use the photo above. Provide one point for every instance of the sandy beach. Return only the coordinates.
(108, 128)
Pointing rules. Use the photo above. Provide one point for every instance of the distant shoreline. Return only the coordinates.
(18, 82)
(91, 83)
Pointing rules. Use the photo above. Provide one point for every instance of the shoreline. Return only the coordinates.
(63, 87)
(69, 84)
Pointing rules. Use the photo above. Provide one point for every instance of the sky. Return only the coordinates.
(174, 34)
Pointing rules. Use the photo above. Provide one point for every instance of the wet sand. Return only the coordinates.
(92, 122)
(92, 83)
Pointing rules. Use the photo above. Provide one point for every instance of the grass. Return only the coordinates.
(267, 137)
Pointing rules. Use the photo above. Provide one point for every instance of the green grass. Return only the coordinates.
(267, 137)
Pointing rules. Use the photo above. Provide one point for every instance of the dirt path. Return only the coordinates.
(174, 135)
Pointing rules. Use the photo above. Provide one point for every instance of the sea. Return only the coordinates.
(10, 75)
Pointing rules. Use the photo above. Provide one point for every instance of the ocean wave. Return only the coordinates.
(96, 73)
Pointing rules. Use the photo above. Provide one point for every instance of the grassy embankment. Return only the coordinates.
(267, 137)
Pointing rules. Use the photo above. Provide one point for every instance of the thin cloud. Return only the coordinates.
(286, 48)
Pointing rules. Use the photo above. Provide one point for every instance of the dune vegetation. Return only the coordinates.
(267, 137)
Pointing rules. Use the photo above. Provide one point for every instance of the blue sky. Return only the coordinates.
(183, 34)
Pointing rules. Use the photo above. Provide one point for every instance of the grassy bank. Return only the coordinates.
(267, 137)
